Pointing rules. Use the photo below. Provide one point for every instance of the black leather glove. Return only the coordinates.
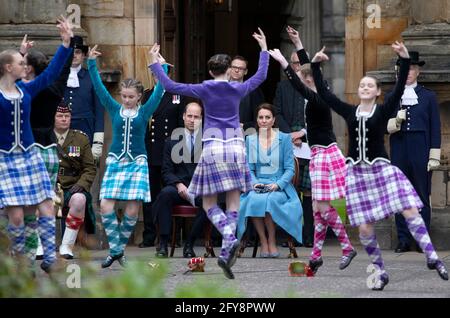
(76, 189)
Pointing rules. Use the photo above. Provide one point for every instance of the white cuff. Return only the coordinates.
(98, 138)
(435, 154)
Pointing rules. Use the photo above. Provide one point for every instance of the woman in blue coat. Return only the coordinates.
(273, 199)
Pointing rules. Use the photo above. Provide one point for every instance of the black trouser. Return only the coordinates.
(308, 220)
(149, 234)
(162, 207)
(413, 163)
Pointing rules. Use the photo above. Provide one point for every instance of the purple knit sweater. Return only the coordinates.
(220, 99)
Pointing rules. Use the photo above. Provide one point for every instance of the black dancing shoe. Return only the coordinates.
(226, 269)
(440, 268)
(233, 253)
(347, 259)
(381, 283)
(46, 267)
(315, 264)
(110, 259)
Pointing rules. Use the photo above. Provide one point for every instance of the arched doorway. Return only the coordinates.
(203, 28)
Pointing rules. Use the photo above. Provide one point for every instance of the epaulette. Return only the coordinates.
(80, 132)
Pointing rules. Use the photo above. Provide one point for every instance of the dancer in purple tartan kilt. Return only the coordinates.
(375, 189)
(223, 165)
(25, 184)
(327, 166)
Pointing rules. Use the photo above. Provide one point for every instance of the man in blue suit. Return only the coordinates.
(415, 144)
(87, 112)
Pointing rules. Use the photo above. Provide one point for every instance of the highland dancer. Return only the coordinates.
(375, 189)
(25, 184)
(223, 166)
(327, 166)
(126, 177)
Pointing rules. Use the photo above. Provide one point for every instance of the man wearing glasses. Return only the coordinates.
(249, 103)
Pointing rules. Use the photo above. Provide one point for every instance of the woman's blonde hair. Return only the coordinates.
(132, 83)
(6, 57)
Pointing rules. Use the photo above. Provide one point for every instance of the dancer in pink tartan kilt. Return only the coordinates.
(223, 166)
(327, 166)
(375, 189)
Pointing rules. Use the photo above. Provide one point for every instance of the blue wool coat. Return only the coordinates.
(275, 165)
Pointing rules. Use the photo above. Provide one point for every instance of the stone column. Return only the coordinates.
(304, 16)
(333, 35)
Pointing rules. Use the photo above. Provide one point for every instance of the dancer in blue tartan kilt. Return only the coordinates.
(25, 184)
(223, 167)
(126, 176)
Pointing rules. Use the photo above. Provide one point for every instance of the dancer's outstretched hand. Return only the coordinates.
(26, 45)
(400, 49)
(65, 30)
(276, 54)
(93, 53)
(295, 38)
(154, 54)
(320, 56)
(261, 38)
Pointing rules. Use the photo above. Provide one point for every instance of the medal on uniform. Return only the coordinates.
(70, 148)
(176, 99)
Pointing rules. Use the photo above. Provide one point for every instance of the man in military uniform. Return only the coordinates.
(79, 95)
(76, 174)
(167, 117)
(415, 144)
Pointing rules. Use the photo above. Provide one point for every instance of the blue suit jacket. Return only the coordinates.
(87, 112)
(423, 117)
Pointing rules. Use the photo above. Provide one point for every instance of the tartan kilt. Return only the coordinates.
(375, 192)
(126, 180)
(24, 179)
(50, 157)
(222, 167)
(327, 170)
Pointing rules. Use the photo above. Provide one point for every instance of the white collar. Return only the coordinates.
(72, 80)
(410, 97)
(75, 69)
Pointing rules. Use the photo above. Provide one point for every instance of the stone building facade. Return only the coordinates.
(126, 29)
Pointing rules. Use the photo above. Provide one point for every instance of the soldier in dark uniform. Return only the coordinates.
(87, 112)
(167, 117)
(415, 144)
(76, 174)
